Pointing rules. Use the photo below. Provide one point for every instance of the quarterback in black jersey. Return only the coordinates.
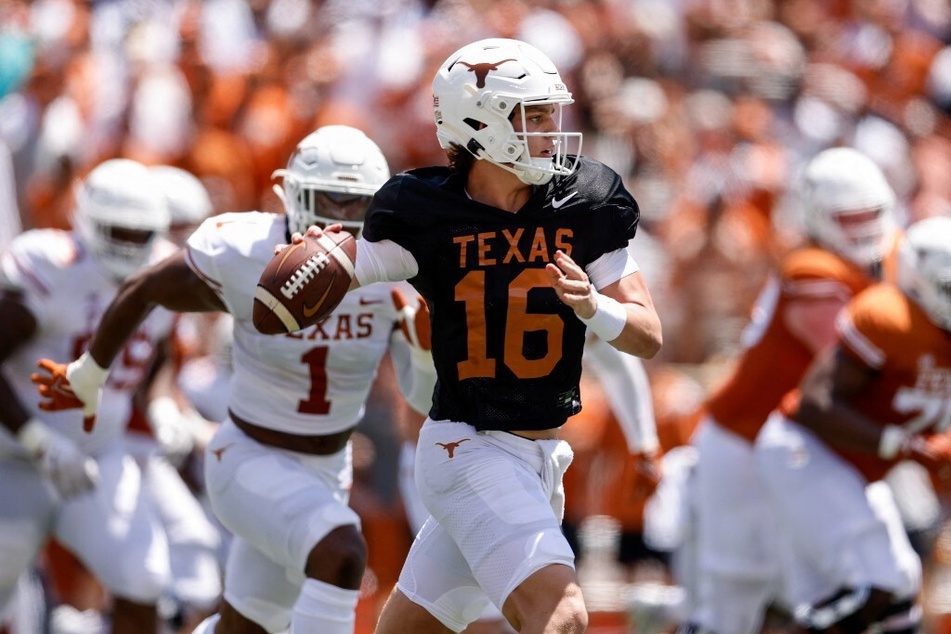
(518, 246)
(507, 348)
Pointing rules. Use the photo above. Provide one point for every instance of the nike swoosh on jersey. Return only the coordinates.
(556, 203)
(369, 302)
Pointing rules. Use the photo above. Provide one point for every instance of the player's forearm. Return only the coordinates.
(418, 389)
(171, 284)
(642, 335)
(840, 425)
(626, 318)
(123, 316)
(415, 372)
(628, 390)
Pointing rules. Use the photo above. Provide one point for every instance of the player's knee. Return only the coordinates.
(569, 615)
(261, 619)
(554, 599)
(572, 614)
(339, 558)
(848, 611)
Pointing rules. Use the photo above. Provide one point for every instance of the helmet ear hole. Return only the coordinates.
(475, 124)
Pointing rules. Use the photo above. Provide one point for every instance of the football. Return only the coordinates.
(304, 283)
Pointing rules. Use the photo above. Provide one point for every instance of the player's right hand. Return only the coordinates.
(413, 320)
(73, 386)
(642, 476)
(313, 231)
(58, 458)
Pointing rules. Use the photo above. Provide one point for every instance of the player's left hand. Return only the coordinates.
(69, 469)
(642, 475)
(572, 285)
(73, 386)
(413, 320)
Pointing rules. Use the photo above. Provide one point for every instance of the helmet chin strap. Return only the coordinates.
(535, 173)
(526, 174)
(539, 173)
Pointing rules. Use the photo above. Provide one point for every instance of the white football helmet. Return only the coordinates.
(331, 178)
(482, 86)
(118, 214)
(924, 267)
(849, 206)
(188, 200)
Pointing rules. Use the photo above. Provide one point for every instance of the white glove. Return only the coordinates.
(86, 378)
(413, 321)
(172, 429)
(58, 458)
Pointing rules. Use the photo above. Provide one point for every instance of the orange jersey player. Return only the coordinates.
(881, 395)
(847, 206)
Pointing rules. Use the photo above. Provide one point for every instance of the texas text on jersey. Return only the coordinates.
(302, 383)
(494, 263)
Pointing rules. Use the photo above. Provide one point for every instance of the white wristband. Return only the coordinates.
(84, 372)
(891, 441)
(609, 319)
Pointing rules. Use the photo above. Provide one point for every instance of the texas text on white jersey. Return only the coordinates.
(312, 382)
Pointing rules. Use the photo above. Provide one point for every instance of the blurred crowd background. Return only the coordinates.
(707, 108)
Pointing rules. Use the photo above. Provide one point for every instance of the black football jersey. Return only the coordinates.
(507, 350)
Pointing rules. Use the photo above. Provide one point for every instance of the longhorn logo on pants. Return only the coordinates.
(451, 447)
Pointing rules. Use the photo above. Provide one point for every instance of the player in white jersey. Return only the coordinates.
(193, 540)
(278, 472)
(176, 431)
(56, 480)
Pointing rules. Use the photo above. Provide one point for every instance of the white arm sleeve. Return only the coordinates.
(625, 383)
(383, 261)
(415, 372)
(612, 266)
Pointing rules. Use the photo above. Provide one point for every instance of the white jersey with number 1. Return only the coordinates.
(312, 382)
